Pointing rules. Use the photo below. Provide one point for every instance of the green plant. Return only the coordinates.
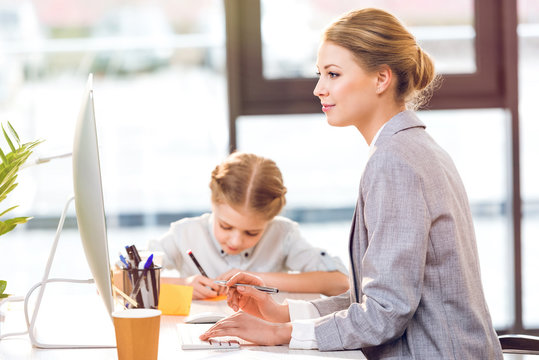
(9, 168)
(3, 285)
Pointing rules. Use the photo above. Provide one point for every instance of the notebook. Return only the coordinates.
(189, 334)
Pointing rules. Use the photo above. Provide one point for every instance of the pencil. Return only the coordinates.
(196, 263)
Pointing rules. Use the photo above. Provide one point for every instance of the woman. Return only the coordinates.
(416, 289)
(244, 233)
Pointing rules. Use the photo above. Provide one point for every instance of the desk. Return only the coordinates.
(20, 348)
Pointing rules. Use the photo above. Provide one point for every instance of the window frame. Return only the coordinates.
(494, 84)
(260, 96)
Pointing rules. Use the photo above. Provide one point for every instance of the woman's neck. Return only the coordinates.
(371, 127)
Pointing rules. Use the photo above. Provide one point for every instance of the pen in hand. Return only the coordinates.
(190, 253)
(258, 287)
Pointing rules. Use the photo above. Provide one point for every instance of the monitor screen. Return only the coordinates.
(89, 198)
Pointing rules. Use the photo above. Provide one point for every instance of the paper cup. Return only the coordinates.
(137, 333)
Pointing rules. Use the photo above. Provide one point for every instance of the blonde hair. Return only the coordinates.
(249, 181)
(377, 38)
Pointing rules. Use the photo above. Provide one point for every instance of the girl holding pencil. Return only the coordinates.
(245, 233)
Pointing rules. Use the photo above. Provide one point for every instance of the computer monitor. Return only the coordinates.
(89, 198)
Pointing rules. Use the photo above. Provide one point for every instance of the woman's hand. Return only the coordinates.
(253, 301)
(203, 287)
(252, 329)
(227, 275)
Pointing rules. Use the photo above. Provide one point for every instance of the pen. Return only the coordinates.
(124, 261)
(136, 287)
(196, 263)
(261, 288)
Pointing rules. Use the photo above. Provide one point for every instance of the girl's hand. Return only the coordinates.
(203, 287)
(253, 301)
(250, 328)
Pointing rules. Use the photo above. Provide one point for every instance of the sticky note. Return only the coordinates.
(175, 299)
(217, 298)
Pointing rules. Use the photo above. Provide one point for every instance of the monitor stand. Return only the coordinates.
(105, 328)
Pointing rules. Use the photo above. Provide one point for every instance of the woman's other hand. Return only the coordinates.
(250, 328)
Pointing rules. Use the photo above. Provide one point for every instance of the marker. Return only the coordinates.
(261, 288)
(196, 263)
(131, 255)
(136, 254)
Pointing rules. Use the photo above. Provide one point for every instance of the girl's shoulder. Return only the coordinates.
(283, 221)
(189, 223)
(281, 227)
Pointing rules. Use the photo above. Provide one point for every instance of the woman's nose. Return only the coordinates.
(319, 89)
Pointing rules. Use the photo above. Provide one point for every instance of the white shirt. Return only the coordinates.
(281, 248)
(302, 312)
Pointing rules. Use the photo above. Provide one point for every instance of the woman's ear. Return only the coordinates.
(383, 79)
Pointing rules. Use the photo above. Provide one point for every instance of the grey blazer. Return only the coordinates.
(415, 289)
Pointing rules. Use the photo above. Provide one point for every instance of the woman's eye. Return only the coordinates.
(252, 234)
(333, 74)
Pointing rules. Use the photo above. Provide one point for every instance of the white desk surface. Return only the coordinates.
(20, 347)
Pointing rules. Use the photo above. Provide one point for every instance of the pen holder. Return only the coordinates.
(143, 286)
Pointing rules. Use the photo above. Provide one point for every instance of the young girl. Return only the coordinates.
(243, 232)
(416, 289)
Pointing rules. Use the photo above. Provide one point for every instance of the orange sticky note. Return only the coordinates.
(217, 298)
(175, 299)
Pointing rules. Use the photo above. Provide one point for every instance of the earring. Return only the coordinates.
(379, 90)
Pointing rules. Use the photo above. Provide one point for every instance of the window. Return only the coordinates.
(444, 30)
(260, 90)
(160, 100)
(478, 101)
(161, 109)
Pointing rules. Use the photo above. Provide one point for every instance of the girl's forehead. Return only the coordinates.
(240, 218)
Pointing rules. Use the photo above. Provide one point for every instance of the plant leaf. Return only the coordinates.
(10, 143)
(13, 132)
(9, 168)
(3, 284)
(4, 193)
(8, 210)
(7, 187)
(8, 225)
(3, 156)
